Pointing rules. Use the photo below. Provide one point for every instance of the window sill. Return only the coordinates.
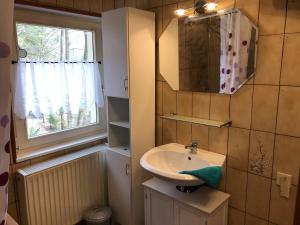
(27, 155)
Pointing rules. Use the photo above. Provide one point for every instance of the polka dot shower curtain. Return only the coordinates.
(6, 31)
(235, 31)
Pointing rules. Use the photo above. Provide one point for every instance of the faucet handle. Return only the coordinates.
(194, 143)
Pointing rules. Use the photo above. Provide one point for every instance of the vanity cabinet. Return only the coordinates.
(164, 204)
(129, 87)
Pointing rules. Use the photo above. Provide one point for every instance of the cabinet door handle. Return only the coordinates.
(125, 83)
(127, 171)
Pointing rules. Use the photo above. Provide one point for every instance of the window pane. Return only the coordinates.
(44, 43)
(60, 121)
(54, 44)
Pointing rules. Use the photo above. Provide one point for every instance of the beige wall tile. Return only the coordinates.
(159, 97)
(272, 16)
(184, 4)
(252, 220)
(184, 133)
(235, 217)
(261, 153)
(158, 75)
(201, 105)
(158, 28)
(130, 3)
(13, 211)
(169, 131)
(241, 107)
(236, 186)
(219, 107)
(290, 62)
(166, 2)
(142, 4)
(264, 107)
(282, 209)
(287, 157)
(269, 59)
(250, 7)
(288, 120)
(65, 3)
(168, 14)
(226, 4)
(200, 134)
(169, 99)
(218, 138)
(293, 17)
(238, 148)
(184, 103)
(222, 184)
(258, 196)
(82, 5)
(154, 3)
(11, 190)
(108, 5)
(158, 131)
(119, 3)
(95, 6)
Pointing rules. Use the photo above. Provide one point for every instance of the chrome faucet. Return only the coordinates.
(193, 147)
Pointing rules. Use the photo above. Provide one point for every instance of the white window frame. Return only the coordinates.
(38, 16)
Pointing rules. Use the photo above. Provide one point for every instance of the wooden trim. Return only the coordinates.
(55, 7)
(13, 144)
(297, 211)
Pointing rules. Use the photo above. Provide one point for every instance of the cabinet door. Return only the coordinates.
(119, 186)
(159, 209)
(115, 52)
(187, 216)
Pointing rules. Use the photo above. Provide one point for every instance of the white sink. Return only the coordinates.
(166, 161)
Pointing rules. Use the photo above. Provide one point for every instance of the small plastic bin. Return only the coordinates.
(98, 215)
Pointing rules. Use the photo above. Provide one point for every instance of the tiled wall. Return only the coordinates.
(265, 134)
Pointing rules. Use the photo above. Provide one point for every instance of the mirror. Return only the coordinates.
(209, 53)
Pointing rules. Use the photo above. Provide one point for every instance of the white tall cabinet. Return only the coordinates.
(128, 36)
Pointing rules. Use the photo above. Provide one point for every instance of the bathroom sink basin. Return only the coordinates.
(166, 161)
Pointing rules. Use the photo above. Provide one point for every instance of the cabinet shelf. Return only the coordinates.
(124, 124)
(212, 123)
(124, 150)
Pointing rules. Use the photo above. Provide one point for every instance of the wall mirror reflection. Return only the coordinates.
(209, 53)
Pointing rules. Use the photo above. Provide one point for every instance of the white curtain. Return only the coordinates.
(6, 31)
(43, 88)
(235, 30)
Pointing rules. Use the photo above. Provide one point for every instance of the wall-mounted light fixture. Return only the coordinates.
(184, 12)
(201, 7)
(211, 7)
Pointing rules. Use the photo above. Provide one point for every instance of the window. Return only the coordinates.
(44, 44)
(58, 94)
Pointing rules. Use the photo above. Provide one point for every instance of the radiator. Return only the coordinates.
(58, 191)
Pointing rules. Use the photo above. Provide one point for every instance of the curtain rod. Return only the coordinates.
(14, 62)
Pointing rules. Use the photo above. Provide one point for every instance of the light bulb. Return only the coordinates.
(180, 12)
(211, 7)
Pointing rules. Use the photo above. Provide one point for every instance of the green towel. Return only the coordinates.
(211, 175)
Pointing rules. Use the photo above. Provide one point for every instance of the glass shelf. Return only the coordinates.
(212, 123)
